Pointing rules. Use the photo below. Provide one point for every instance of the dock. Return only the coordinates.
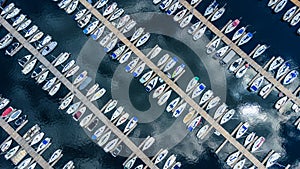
(296, 2)
(78, 94)
(15, 135)
(174, 87)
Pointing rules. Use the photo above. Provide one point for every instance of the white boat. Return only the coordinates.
(161, 156)
(178, 70)
(290, 77)
(246, 38)
(38, 70)
(129, 25)
(98, 94)
(163, 60)
(179, 110)
(289, 13)
(198, 90)
(24, 60)
(143, 39)
(165, 4)
(260, 50)
(72, 71)
(11, 152)
(193, 2)
(80, 77)
(79, 113)
(49, 48)
(151, 84)
(130, 163)
(111, 145)
(80, 14)
(213, 46)
(154, 52)
(180, 15)
(86, 120)
(146, 77)
(206, 96)
(173, 104)
(6, 40)
(111, 44)
(280, 6)
(242, 130)
(5, 146)
(117, 113)
(138, 70)
(118, 52)
(49, 83)
(232, 158)
(13, 13)
(73, 107)
(69, 165)
(92, 124)
(124, 58)
(242, 71)
(238, 33)
(227, 116)
(170, 64)
(148, 143)
(256, 84)
(116, 14)
(213, 103)
(194, 27)
(72, 7)
(170, 161)
(131, 65)
(110, 9)
(91, 27)
(202, 131)
(281, 102)
(3, 102)
(164, 98)
(101, 3)
(283, 69)
(192, 83)
(7, 8)
(276, 63)
(54, 89)
(98, 132)
(84, 20)
(24, 163)
(14, 115)
(155, 2)
(62, 58)
(29, 66)
(210, 9)
(36, 37)
(220, 110)
(217, 15)
(43, 42)
(110, 106)
(272, 159)
(265, 89)
(257, 144)
(185, 21)
(249, 139)
(37, 138)
(240, 164)
(122, 119)
(31, 31)
(122, 21)
(272, 2)
(98, 33)
(19, 20)
(131, 123)
(55, 156)
(158, 91)
(295, 20)
(65, 103)
(199, 33)
(232, 26)
(137, 34)
(177, 165)
(103, 140)
(24, 25)
(92, 90)
(43, 144)
(64, 3)
(32, 166)
(195, 122)
(221, 52)
(141, 166)
(42, 77)
(173, 8)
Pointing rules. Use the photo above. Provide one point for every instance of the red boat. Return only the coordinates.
(7, 112)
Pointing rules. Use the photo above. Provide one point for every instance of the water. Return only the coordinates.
(42, 109)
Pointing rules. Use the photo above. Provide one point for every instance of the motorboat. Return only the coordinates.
(98, 94)
(295, 20)
(117, 113)
(192, 83)
(155, 2)
(101, 3)
(44, 42)
(122, 119)
(221, 52)
(138, 70)
(242, 130)
(91, 27)
(194, 27)
(49, 48)
(283, 69)
(131, 65)
(206, 96)
(289, 13)
(24, 60)
(37, 138)
(249, 139)
(194, 123)
(164, 98)
(32, 166)
(170, 161)
(54, 89)
(92, 124)
(124, 58)
(148, 143)
(154, 52)
(158, 91)
(64, 3)
(178, 70)
(5, 146)
(272, 2)
(7, 8)
(12, 48)
(21, 120)
(37, 71)
(242, 71)
(170, 64)
(92, 90)
(31, 31)
(62, 58)
(179, 110)
(272, 159)
(49, 83)
(232, 158)
(24, 163)
(161, 156)
(173, 8)
(137, 34)
(122, 21)
(146, 77)
(130, 163)
(69, 165)
(103, 140)
(66, 102)
(111, 145)
(79, 14)
(213, 46)
(131, 123)
(73, 107)
(98, 33)
(220, 110)
(151, 84)
(143, 39)
(36, 37)
(72, 71)
(240, 164)
(232, 26)
(14, 12)
(290, 77)
(202, 131)
(199, 33)
(72, 7)
(14, 115)
(24, 25)
(281, 102)
(111, 44)
(257, 144)
(173, 104)
(227, 116)
(31, 132)
(276, 63)
(79, 113)
(86, 120)
(180, 15)
(80, 77)
(55, 156)
(260, 50)
(163, 60)
(165, 4)
(177, 165)
(84, 20)
(217, 15)
(7, 112)
(98, 132)
(238, 33)
(110, 9)
(85, 83)
(186, 20)
(10, 153)
(110, 106)
(129, 26)
(46, 142)
(209, 10)
(198, 90)
(29, 66)
(265, 89)
(116, 14)
(280, 6)
(246, 38)
(19, 20)
(256, 84)
(117, 150)
(6, 40)
(213, 103)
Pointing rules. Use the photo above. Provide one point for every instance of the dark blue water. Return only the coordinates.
(67, 134)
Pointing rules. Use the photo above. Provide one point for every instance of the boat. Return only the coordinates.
(64, 3)
(110, 9)
(103, 140)
(54, 89)
(6, 40)
(62, 58)
(198, 90)
(122, 119)
(265, 89)
(43, 42)
(49, 84)
(37, 138)
(49, 48)
(14, 115)
(232, 158)
(21, 120)
(29, 66)
(65, 103)
(72, 71)
(240, 164)
(31, 132)
(272, 2)
(36, 37)
(5, 146)
(98, 32)
(238, 33)
(137, 34)
(111, 145)
(151, 84)
(143, 39)
(129, 25)
(276, 63)
(202, 131)
(101, 3)
(69, 165)
(158, 91)
(194, 27)
(13, 13)
(173, 104)
(72, 7)
(165, 4)
(195, 122)
(192, 83)
(173, 8)
(19, 20)
(260, 50)
(148, 143)
(80, 77)
(242, 71)
(110, 106)
(179, 69)
(232, 26)
(256, 84)
(206, 96)
(55, 156)
(141, 166)
(170, 161)
(86, 120)
(11, 152)
(217, 15)
(272, 159)
(280, 6)
(257, 144)
(7, 112)
(24, 60)
(91, 27)
(295, 20)
(154, 52)
(37, 71)
(185, 21)
(163, 60)
(43, 144)
(289, 13)
(117, 150)
(79, 113)
(242, 130)
(221, 52)
(177, 165)
(84, 20)
(290, 77)
(31, 31)
(92, 124)
(146, 77)
(73, 107)
(32, 166)
(124, 58)
(170, 64)
(161, 156)
(3, 102)
(10, 51)
(117, 113)
(7, 8)
(132, 123)
(283, 69)
(155, 2)
(118, 52)
(24, 163)
(249, 139)
(138, 70)
(220, 110)
(98, 132)
(164, 98)
(210, 9)
(199, 33)
(281, 102)
(116, 14)
(213, 46)
(98, 94)
(24, 25)
(79, 14)
(213, 103)
(111, 45)
(92, 90)
(130, 163)
(179, 110)
(122, 21)
(193, 2)
(246, 38)
(180, 15)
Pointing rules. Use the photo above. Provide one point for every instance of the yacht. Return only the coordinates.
(92, 124)
(257, 144)
(131, 123)
(24, 163)
(276, 63)
(249, 139)
(177, 165)
(295, 20)
(227, 116)
(165, 4)
(124, 58)
(232, 158)
(213, 46)
(220, 110)
(180, 15)
(265, 89)
(72, 71)
(158, 91)
(217, 15)
(14, 115)
(179, 110)
(170, 161)
(84, 20)
(98, 32)
(260, 50)
(72, 7)
(155, 2)
(54, 89)
(24, 25)
(239, 33)
(122, 119)
(186, 20)
(113, 42)
(132, 65)
(272, 2)
(143, 39)
(148, 143)
(272, 159)
(116, 14)
(46, 142)
(37, 71)
(206, 96)
(198, 90)
(192, 83)
(64, 3)
(13, 13)
(129, 25)
(209, 10)
(138, 70)
(32, 166)
(44, 42)
(92, 90)
(202, 131)
(80, 77)
(79, 14)
(86, 120)
(213, 103)
(49, 48)
(146, 77)
(98, 132)
(199, 33)
(117, 113)
(12, 49)
(242, 71)
(289, 13)
(240, 164)
(283, 69)
(137, 34)
(55, 156)
(290, 77)
(151, 84)
(91, 27)
(193, 2)
(78, 114)
(62, 58)
(69, 165)
(242, 130)
(256, 84)
(232, 26)
(5, 146)
(66, 102)
(29, 66)
(280, 6)
(117, 150)
(221, 52)
(98, 94)
(73, 107)
(246, 38)
(7, 8)
(101, 3)
(161, 156)
(194, 27)
(178, 70)
(111, 145)
(31, 31)
(130, 163)
(36, 37)
(170, 64)
(19, 20)
(141, 166)
(6, 40)
(24, 60)
(163, 60)
(281, 102)
(11, 152)
(188, 117)
(195, 122)
(164, 98)
(3, 102)
(110, 106)
(123, 21)
(173, 8)
(37, 138)
(110, 9)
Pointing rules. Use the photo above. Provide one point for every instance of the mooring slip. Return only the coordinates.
(13, 134)
(140, 154)
(296, 2)
(241, 53)
(174, 87)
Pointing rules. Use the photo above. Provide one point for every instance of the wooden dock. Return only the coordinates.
(174, 87)
(296, 2)
(15, 135)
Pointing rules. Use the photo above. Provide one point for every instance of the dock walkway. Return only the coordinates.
(296, 2)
